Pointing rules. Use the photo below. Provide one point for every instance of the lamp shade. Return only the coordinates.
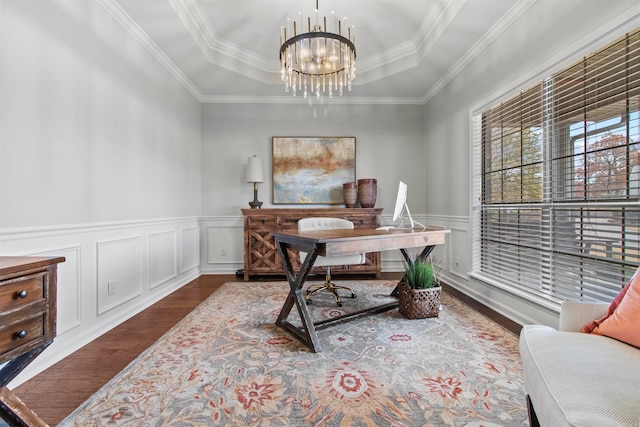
(254, 170)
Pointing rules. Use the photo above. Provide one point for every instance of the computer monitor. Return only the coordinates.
(400, 207)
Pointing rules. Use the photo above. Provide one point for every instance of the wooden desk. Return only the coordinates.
(27, 325)
(341, 242)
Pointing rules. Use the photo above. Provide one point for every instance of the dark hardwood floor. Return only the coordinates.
(56, 392)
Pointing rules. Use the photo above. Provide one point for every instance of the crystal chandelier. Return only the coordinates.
(319, 61)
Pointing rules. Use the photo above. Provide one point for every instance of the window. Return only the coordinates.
(558, 196)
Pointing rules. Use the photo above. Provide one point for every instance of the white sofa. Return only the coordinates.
(577, 379)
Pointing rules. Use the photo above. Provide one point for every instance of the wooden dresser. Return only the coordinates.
(261, 256)
(27, 325)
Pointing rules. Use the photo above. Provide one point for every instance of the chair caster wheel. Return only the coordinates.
(339, 304)
(354, 296)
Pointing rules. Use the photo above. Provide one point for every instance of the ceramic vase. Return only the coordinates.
(367, 192)
(350, 192)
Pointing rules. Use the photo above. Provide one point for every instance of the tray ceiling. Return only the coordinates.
(227, 50)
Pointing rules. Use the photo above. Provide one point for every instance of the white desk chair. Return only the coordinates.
(310, 224)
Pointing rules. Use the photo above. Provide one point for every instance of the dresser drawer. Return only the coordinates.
(21, 333)
(21, 291)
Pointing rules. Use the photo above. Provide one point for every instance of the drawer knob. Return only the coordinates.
(22, 294)
(21, 334)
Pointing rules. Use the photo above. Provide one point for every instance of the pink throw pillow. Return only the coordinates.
(592, 326)
(624, 323)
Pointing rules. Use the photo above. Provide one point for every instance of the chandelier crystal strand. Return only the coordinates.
(317, 62)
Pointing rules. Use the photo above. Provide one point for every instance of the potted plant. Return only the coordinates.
(419, 290)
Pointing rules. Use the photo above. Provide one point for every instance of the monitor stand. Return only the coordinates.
(412, 224)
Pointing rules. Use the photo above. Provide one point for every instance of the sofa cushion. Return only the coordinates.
(576, 379)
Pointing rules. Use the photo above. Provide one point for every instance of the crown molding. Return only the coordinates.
(494, 32)
(433, 26)
(195, 20)
(299, 100)
(408, 54)
(199, 26)
(141, 37)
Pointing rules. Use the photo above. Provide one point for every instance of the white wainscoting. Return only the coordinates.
(112, 272)
(147, 260)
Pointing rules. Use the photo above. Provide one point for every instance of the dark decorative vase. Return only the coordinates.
(367, 192)
(350, 192)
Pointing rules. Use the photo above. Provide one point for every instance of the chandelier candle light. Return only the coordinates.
(318, 61)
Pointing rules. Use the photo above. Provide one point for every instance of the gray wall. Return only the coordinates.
(389, 147)
(93, 128)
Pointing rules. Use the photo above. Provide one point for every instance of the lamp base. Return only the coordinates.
(255, 204)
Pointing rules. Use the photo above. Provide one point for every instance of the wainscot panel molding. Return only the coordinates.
(189, 248)
(141, 258)
(453, 255)
(456, 253)
(222, 244)
(163, 257)
(119, 272)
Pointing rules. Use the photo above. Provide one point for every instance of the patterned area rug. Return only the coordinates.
(226, 363)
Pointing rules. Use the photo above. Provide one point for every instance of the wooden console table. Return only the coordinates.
(341, 242)
(28, 287)
(261, 257)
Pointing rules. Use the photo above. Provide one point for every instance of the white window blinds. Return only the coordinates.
(560, 178)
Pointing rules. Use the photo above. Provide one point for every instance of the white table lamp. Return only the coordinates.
(254, 175)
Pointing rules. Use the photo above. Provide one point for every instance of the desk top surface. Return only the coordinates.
(345, 241)
(326, 236)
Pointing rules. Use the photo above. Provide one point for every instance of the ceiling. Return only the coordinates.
(227, 50)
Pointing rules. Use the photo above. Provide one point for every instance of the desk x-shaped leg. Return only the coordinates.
(307, 333)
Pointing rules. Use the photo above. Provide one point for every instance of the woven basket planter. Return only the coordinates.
(419, 303)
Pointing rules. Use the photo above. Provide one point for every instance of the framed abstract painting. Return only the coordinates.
(311, 170)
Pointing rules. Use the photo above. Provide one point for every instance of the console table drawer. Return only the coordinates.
(262, 222)
(21, 291)
(22, 333)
